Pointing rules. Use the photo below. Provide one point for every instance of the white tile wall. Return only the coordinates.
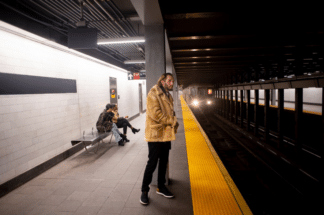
(35, 128)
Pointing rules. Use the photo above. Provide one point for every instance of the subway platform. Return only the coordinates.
(109, 181)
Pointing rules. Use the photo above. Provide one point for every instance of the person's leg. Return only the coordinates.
(117, 129)
(163, 162)
(124, 122)
(124, 126)
(154, 150)
(116, 134)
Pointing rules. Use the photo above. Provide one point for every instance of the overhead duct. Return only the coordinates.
(82, 37)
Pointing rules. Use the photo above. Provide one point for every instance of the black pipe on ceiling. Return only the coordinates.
(58, 29)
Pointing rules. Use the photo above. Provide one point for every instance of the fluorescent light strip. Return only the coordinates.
(33, 37)
(134, 61)
(121, 40)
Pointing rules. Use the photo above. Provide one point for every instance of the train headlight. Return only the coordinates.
(195, 102)
(209, 102)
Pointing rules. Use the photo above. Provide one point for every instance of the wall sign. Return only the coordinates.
(13, 84)
(136, 75)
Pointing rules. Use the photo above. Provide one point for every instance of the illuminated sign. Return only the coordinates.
(210, 91)
(136, 75)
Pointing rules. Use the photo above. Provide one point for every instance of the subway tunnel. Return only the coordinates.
(248, 95)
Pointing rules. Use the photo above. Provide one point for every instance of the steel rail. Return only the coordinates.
(114, 20)
(228, 134)
(50, 12)
(114, 8)
(74, 17)
(122, 46)
(105, 29)
(40, 14)
(102, 16)
(58, 29)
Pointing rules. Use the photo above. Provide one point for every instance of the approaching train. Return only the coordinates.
(201, 96)
(198, 96)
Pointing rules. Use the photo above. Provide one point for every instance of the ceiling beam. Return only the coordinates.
(213, 37)
(211, 66)
(215, 62)
(223, 49)
(220, 57)
(194, 15)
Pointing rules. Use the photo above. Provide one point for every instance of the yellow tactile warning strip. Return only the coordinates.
(212, 188)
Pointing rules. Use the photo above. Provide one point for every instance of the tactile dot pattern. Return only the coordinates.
(213, 190)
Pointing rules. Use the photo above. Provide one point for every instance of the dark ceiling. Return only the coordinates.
(209, 45)
(52, 19)
(220, 48)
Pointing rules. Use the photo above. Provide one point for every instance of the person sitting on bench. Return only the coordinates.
(121, 122)
(105, 124)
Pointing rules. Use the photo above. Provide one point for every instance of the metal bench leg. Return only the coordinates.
(85, 147)
(111, 137)
(98, 146)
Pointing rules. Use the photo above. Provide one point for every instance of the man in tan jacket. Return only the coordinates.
(160, 128)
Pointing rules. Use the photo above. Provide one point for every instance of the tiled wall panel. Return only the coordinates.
(37, 127)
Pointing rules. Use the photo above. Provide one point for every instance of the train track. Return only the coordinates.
(263, 179)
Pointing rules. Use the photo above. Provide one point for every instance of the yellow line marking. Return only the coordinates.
(212, 188)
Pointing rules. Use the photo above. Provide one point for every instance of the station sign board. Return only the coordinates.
(136, 76)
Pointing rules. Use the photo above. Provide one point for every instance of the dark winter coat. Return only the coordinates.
(104, 122)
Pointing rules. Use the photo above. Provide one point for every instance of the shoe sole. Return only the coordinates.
(143, 203)
(169, 197)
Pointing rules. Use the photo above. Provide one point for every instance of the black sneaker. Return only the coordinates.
(144, 198)
(121, 142)
(164, 192)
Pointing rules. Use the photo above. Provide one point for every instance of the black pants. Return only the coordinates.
(123, 123)
(158, 151)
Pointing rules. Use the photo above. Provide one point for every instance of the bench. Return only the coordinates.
(92, 139)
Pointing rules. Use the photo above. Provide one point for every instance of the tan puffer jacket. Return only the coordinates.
(161, 124)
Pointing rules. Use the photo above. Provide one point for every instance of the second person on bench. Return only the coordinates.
(121, 122)
(105, 124)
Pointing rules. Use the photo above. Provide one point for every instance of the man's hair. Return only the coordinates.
(163, 77)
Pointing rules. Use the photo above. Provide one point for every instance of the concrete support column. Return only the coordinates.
(298, 122)
(154, 54)
(248, 107)
(155, 66)
(256, 112)
(280, 117)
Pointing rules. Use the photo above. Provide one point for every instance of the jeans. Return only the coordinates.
(158, 151)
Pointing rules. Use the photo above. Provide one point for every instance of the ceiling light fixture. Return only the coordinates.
(121, 40)
(134, 61)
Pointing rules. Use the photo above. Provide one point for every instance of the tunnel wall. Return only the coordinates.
(36, 127)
